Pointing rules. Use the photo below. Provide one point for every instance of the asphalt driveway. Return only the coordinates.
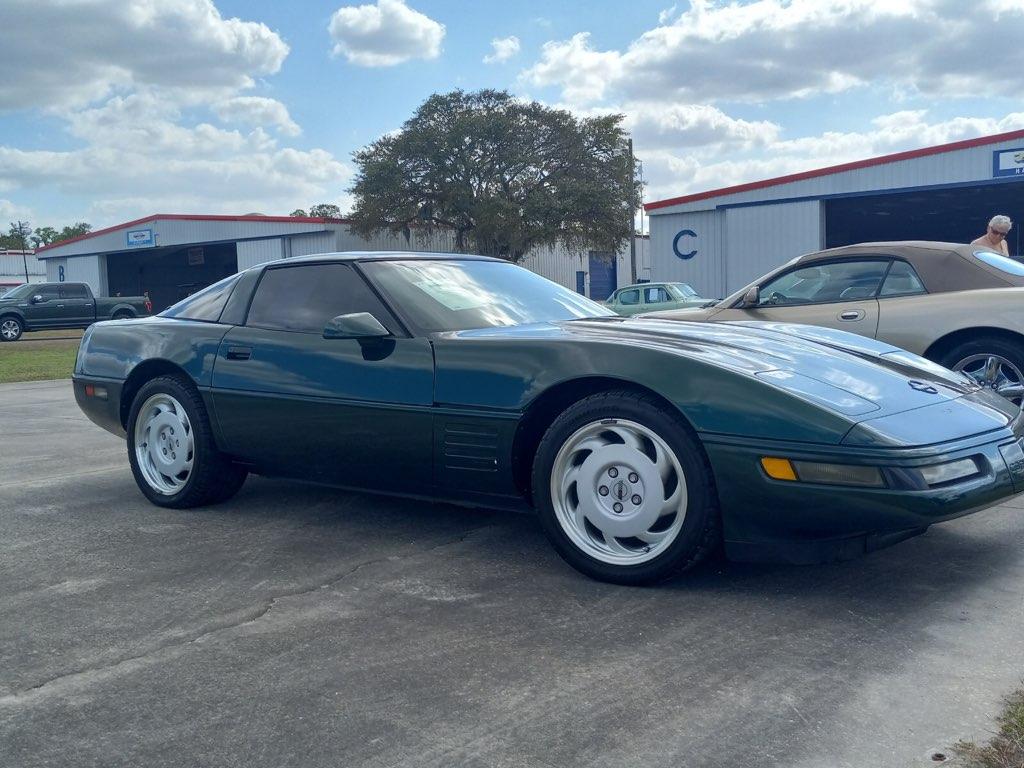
(301, 626)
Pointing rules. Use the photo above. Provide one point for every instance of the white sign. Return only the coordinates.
(140, 238)
(1008, 162)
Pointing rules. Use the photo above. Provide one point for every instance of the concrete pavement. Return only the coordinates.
(302, 626)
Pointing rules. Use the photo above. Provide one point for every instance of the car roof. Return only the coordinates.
(383, 256)
(942, 266)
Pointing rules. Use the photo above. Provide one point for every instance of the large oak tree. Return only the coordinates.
(503, 175)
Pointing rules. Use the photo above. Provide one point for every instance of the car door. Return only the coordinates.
(903, 310)
(43, 308)
(340, 411)
(838, 294)
(628, 302)
(655, 297)
(79, 309)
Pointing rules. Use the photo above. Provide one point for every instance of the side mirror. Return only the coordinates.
(358, 325)
(38, 299)
(751, 297)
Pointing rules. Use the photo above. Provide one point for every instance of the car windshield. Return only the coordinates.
(1000, 262)
(461, 295)
(19, 292)
(685, 290)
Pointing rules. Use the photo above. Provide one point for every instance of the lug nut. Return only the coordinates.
(613, 472)
(637, 501)
(603, 490)
(633, 477)
(617, 507)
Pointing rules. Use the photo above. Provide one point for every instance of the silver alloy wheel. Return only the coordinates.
(164, 444)
(618, 492)
(10, 329)
(996, 373)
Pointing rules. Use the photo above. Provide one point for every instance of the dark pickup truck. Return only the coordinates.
(38, 306)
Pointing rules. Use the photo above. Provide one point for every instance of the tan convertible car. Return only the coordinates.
(959, 305)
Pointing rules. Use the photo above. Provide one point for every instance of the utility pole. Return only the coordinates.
(632, 214)
(22, 229)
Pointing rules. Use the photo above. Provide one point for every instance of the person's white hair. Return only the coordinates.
(1000, 223)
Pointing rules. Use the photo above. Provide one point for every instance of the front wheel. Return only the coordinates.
(11, 329)
(624, 491)
(171, 449)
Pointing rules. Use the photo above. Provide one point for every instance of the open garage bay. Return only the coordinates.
(302, 626)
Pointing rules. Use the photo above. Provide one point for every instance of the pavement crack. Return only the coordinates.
(99, 673)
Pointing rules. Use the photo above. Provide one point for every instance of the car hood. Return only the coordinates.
(857, 377)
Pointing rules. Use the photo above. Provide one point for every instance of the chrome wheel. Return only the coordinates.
(10, 329)
(164, 444)
(996, 373)
(618, 492)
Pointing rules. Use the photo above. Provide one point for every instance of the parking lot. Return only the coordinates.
(298, 625)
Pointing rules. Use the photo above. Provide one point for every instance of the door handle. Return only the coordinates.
(238, 353)
(851, 314)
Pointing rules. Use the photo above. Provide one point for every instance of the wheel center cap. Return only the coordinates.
(621, 490)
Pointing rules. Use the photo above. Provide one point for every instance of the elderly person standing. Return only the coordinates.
(995, 236)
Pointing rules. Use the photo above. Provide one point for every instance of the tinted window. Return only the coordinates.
(305, 298)
(74, 291)
(1000, 262)
(462, 294)
(902, 280)
(839, 281)
(655, 295)
(629, 297)
(47, 291)
(203, 305)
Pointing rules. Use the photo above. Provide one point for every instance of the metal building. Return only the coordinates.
(720, 240)
(169, 256)
(17, 267)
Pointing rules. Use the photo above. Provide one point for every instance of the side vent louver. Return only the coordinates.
(471, 447)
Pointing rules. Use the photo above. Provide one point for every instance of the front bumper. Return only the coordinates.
(796, 522)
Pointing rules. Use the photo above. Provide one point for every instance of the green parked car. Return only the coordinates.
(648, 297)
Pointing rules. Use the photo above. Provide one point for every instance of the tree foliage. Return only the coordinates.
(21, 235)
(324, 210)
(504, 175)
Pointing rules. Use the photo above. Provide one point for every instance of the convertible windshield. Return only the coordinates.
(684, 290)
(460, 295)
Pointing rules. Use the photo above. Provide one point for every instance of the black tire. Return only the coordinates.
(1008, 349)
(122, 315)
(19, 327)
(700, 534)
(214, 478)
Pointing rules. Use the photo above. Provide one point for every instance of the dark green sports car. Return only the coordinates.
(642, 444)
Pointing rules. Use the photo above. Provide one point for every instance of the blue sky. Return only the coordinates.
(114, 109)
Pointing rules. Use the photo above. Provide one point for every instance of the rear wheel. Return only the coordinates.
(996, 364)
(11, 328)
(624, 491)
(171, 449)
(122, 315)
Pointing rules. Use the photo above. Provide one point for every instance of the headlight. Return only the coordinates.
(948, 472)
(827, 474)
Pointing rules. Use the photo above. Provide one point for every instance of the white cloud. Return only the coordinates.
(384, 34)
(670, 172)
(182, 46)
(502, 49)
(11, 212)
(257, 110)
(666, 15)
(770, 49)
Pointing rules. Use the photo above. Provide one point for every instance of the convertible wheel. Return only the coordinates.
(171, 448)
(994, 363)
(623, 490)
(11, 329)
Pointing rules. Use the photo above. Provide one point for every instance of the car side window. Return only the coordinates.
(902, 280)
(630, 297)
(74, 291)
(48, 292)
(304, 298)
(656, 295)
(836, 281)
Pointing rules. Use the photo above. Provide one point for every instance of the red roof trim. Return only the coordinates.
(908, 155)
(192, 217)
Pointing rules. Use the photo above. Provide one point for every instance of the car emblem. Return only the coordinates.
(920, 386)
(620, 490)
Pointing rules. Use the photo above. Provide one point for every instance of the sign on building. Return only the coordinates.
(140, 238)
(1008, 162)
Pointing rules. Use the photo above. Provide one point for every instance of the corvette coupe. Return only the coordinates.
(642, 444)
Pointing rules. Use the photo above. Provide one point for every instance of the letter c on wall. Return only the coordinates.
(675, 244)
